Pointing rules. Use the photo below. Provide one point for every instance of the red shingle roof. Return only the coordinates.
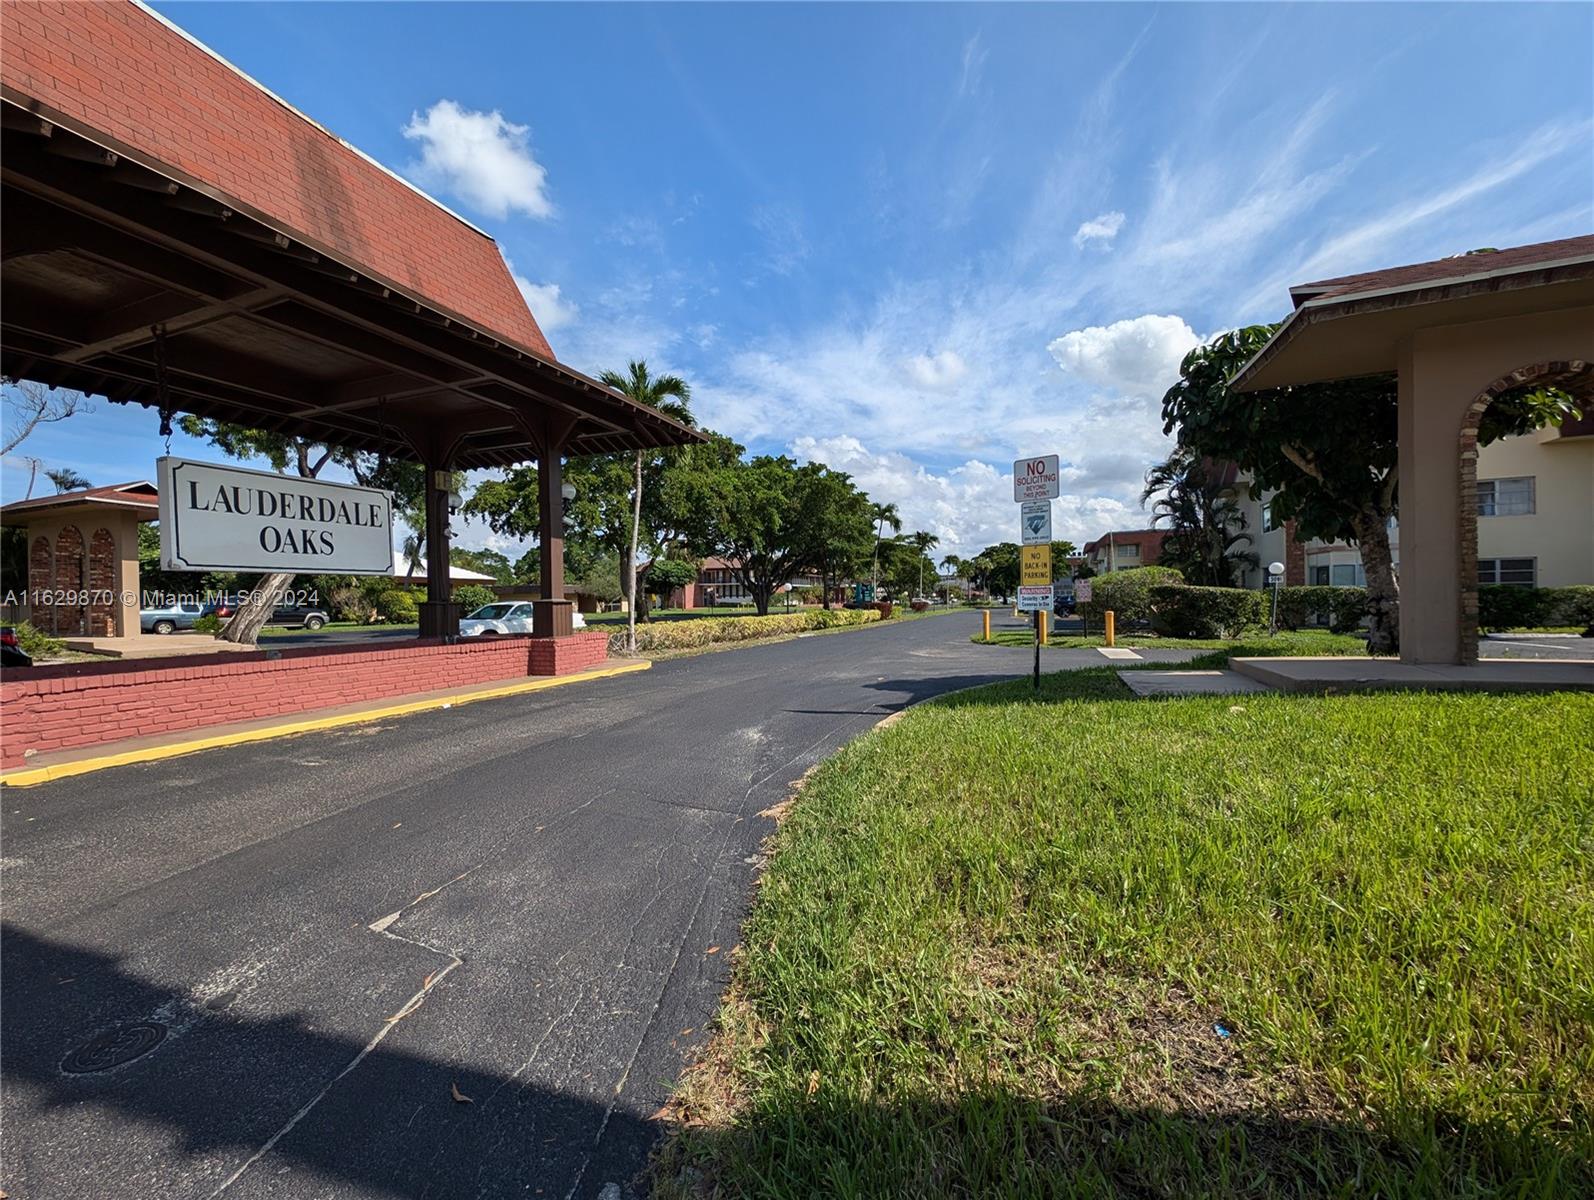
(1144, 538)
(135, 83)
(139, 495)
(1478, 262)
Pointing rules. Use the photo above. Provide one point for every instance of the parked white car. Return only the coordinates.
(504, 617)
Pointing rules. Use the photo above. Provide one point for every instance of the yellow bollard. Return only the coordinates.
(987, 615)
(1110, 626)
(1044, 615)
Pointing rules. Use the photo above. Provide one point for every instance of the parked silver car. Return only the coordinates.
(170, 618)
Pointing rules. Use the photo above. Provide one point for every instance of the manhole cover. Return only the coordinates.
(114, 1047)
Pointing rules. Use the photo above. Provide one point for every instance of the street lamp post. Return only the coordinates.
(1275, 572)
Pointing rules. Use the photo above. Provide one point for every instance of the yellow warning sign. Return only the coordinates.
(1035, 566)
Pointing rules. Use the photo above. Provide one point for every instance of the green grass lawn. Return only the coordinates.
(995, 941)
(1285, 642)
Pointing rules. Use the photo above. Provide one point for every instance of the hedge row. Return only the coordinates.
(1502, 607)
(705, 631)
(1127, 594)
(1156, 596)
(1342, 609)
(1205, 612)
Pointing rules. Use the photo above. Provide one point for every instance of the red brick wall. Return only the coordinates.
(88, 704)
(122, 72)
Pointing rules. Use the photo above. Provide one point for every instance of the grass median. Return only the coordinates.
(1260, 644)
(1087, 945)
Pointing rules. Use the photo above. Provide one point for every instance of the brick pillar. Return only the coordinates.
(1294, 558)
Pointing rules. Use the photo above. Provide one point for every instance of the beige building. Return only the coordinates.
(1535, 496)
(1456, 333)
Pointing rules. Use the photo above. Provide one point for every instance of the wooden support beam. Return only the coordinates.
(26, 122)
(81, 151)
(130, 326)
(199, 204)
(130, 174)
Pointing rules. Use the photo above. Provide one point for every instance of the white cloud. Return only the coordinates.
(968, 506)
(481, 158)
(1099, 229)
(785, 242)
(937, 371)
(974, 57)
(546, 303)
(1139, 357)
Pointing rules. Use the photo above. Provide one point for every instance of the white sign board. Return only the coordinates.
(220, 518)
(1036, 478)
(1035, 599)
(1035, 523)
(1082, 590)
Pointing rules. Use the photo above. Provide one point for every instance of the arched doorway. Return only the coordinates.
(71, 583)
(102, 604)
(1574, 376)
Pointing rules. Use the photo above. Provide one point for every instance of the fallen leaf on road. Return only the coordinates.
(459, 1096)
(813, 1082)
(713, 949)
(688, 1030)
(396, 824)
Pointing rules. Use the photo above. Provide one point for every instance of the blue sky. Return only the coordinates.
(916, 241)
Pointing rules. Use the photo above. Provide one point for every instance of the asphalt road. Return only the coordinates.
(544, 890)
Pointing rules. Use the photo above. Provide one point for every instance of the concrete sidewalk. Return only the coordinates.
(1369, 674)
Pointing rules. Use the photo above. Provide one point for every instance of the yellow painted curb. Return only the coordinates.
(29, 776)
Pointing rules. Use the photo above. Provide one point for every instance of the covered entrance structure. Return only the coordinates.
(1456, 332)
(176, 236)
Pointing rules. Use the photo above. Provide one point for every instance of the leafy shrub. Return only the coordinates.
(920, 605)
(350, 604)
(473, 595)
(36, 643)
(1342, 609)
(1127, 593)
(1178, 610)
(397, 607)
(707, 631)
(1576, 607)
(1502, 607)
(883, 607)
(810, 595)
(209, 623)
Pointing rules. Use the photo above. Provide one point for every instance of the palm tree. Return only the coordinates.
(1207, 536)
(883, 515)
(670, 395)
(924, 543)
(66, 479)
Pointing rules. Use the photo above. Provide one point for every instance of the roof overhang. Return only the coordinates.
(103, 246)
(1344, 336)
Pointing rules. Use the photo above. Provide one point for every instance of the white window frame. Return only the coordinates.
(1490, 570)
(1489, 504)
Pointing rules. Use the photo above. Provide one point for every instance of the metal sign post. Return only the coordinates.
(1036, 483)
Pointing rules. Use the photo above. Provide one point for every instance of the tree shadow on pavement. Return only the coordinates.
(222, 1084)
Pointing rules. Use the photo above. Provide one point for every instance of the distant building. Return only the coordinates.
(1535, 497)
(719, 584)
(1122, 549)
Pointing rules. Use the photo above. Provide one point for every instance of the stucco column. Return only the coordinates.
(1430, 517)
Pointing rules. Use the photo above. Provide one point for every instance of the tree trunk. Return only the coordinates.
(630, 565)
(1383, 588)
(245, 624)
